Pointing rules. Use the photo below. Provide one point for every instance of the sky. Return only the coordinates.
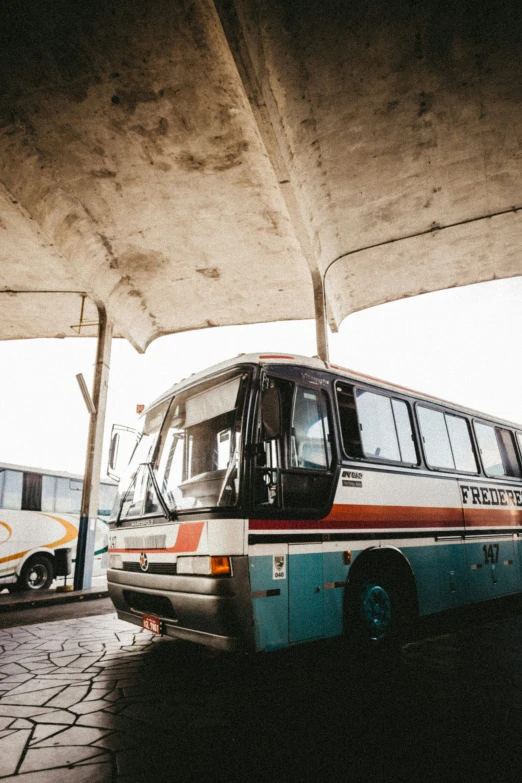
(461, 345)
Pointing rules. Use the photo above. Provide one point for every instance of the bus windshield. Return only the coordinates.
(198, 464)
(135, 496)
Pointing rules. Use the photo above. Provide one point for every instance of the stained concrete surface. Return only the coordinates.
(95, 699)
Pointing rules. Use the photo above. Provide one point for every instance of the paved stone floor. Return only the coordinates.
(95, 699)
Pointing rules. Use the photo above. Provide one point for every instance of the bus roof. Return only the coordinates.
(48, 472)
(272, 358)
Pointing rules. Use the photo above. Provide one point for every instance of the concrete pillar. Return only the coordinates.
(91, 480)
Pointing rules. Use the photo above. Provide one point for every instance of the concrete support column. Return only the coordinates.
(321, 324)
(91, 480)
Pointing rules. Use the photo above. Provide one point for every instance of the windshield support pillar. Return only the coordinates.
(91, 479)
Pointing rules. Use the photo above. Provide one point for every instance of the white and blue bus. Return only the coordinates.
(272, 500)
(39, 513)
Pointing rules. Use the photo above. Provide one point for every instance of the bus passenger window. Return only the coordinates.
(489, 450)
(497, 450)
(49, 493)
(461, 444)
(68, 496)
(435, 438)
(310, 447)
(379, 438)
(11, 489)
(508, 452)
(348, 420)
(404, 432)
(32, 492)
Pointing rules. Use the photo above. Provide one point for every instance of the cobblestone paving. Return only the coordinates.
(66, 698)
(99, 700)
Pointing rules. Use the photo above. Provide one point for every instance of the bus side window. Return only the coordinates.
(377, 424)
(435, 437)
(519, 439)
(497, 450)
(310, 444)
(11, 489)
(49, 493)
(106, 499)
(401, 414)
(508, 452)
(68, 496)
(350, 432)
(460, 440)
(32, 492)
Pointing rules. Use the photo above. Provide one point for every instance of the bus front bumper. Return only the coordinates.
(213, 611)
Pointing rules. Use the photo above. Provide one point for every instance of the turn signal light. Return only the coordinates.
(220, 566)
(347, 557)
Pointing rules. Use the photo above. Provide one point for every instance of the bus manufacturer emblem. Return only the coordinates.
(144, 562)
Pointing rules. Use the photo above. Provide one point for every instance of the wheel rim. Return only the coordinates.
(376, 610)
(37, 576)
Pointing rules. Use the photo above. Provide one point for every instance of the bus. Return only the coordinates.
(273, 500)
(39, 513)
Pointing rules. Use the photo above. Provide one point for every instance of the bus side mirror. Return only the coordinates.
(271, 414)
(123, 440)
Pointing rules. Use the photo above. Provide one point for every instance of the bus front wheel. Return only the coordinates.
(377, 612)
(36, 574)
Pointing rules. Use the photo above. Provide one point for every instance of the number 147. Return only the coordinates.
(490, 553)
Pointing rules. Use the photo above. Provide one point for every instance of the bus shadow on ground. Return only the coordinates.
(442, 708)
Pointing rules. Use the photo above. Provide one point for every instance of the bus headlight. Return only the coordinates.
(115, 561)
(204, 566)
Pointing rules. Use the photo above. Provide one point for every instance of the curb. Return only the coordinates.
(17, 605)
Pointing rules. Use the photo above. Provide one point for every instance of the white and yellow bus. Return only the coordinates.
(273, 500)
(39, 513)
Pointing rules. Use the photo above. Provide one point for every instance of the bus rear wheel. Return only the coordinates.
(36, 574)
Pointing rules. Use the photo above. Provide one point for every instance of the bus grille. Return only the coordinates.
(154, 568)
(149, 603)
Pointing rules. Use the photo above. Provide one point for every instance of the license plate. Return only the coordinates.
(152, 624)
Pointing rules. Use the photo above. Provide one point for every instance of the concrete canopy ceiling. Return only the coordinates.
(194, 164)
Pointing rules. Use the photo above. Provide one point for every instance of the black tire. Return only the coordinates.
(378, 613)
(37, 574)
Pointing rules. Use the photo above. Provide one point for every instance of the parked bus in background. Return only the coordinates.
(39, 513)
(272, 500)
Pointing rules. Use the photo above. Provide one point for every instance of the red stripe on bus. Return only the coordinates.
(372, 517)
(493, 517)
(395, 516)
(354, 516)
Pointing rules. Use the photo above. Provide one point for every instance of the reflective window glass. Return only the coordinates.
(489, 450)
(68, 496)
(106, 499)
(404, 432)
(461, 444)
(130, 485)
(435, 438)
(508, 452)
(12, 484)
(309, 431)
(519, 439)
(378, 435)
(49, 494)
(199, 452)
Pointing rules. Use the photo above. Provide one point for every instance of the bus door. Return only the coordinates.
(293, 487)
(306, 605)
